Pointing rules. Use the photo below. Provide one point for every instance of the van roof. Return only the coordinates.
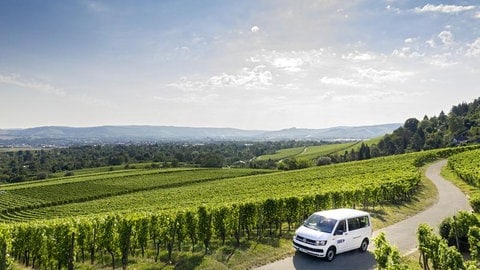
(342, 213)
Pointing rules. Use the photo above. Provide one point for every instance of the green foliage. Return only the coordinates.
(387, 256)
(219, 223)
(459, 127)
(204, 226)
(5, 260)
(428, 245)
(456, 228)
(449, 257)
(474, 242)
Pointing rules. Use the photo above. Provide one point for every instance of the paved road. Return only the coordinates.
(402, 234)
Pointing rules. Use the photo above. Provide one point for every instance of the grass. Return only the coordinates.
(468, 189)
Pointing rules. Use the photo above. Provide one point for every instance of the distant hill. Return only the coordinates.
(57, 135)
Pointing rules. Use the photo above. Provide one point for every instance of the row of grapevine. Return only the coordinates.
(467, 166)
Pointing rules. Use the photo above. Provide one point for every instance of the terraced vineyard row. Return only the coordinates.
(58, 192)
(467, 166)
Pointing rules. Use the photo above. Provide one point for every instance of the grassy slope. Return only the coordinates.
(314, 152)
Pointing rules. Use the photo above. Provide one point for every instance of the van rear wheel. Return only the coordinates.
(330, 254)
(364, 245)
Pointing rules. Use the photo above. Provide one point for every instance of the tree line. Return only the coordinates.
(459, 127)
(22, 165)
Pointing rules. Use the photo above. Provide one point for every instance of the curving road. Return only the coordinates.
(401, 234)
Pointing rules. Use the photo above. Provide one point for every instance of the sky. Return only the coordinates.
(250, 64)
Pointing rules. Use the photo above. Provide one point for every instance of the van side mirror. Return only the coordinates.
(338, 232)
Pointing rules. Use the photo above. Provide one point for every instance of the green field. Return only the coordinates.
(314, 152)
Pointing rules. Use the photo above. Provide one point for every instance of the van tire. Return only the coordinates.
(364, 245)
(330, 255)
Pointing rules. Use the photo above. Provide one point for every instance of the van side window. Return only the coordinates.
(364, 222)
(353, 224)
(358, 223)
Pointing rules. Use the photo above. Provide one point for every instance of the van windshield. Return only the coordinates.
(320, 223)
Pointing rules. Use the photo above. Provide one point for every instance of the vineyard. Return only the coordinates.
(143, 213)
(373, 182)
(310, 152)
(69, 190)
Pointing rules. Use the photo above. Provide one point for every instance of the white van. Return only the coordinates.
(331, 232)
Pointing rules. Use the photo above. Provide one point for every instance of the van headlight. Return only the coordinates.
(321, 242)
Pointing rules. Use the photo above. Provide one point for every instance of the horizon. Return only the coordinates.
(201, 127)
(249, 65)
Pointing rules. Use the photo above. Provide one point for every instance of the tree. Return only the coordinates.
(411, 125)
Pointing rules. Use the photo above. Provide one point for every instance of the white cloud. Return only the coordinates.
(31, 84)
(381, 76)
(337, 81)
(393, 9)
(288, 64)
(477, 15)
(358, 56)
(443, 8)
(249, 78)
(431, 43)
(442, 60)
(474, 48)
(255, 29)
(446, 37)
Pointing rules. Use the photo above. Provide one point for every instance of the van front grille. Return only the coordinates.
(305, 240)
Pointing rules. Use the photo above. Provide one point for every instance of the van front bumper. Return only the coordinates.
(315, 251)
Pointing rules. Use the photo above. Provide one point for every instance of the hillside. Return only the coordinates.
(59, 136)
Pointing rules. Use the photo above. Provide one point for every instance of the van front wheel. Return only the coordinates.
(330, 254)
(364, 245)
